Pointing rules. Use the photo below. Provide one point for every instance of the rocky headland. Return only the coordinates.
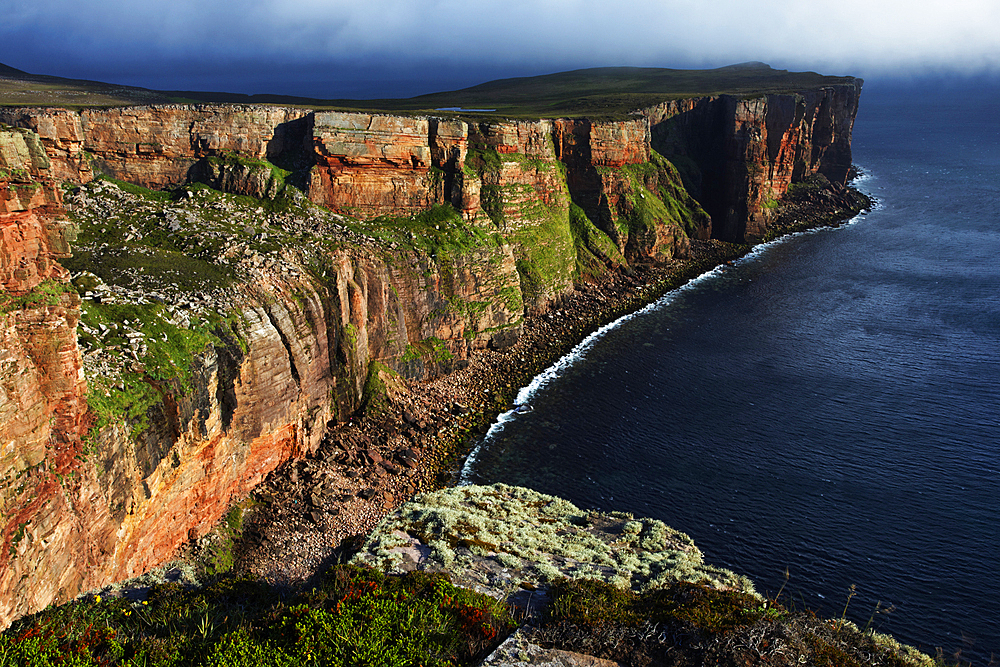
(606, 589)
(197, 296)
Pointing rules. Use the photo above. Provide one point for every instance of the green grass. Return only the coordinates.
(138, 190)
(438, 232)
(374, 396)
(47, 293)
(657, 196)
(164, 367)
(177, 240)
(355, 616)
(595, 252)
(539, 232)
(704, 609)
(431, 350)
(273, 177)
(604, 92)
(688, 623)
(231, 159)
(359, 616)
(156, 268)
(613, 91)
(545, 250)
(221, 556)
(152, 267)
(19, 88)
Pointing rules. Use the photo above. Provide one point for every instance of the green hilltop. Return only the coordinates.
(613, 91)
(596, 92)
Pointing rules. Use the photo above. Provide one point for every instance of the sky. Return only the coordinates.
(400, 48)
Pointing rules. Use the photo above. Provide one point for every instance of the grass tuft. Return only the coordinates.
(355, 616)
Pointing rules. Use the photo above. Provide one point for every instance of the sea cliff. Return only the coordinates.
(252, 274)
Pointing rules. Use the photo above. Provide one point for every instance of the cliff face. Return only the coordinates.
(158, 146)
(197, 391)
(220, 335)
(518, 178)
(372, 165)
(739, 155)
(42, 406)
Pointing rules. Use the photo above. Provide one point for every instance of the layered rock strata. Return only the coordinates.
(195, 396)
(739, 155)
(222, 335)
(157, 146)
(42, 405)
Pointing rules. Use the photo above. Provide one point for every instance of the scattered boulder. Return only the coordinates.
(408, 457)
(390, 468)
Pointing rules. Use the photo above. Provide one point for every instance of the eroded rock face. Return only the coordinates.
(552, 202)
(61, 132)
(518, 177)
(82, 507)
(603, 175)
(738, 156)
(42, 407)
(370, 165)
(157, 146)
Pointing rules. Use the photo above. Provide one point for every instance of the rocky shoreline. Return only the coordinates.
(314, 512)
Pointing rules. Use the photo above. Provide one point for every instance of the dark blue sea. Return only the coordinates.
(829, 405)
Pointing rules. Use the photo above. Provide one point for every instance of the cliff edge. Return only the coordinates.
(243, 276)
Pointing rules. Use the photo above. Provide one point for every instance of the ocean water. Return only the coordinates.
(829, 405)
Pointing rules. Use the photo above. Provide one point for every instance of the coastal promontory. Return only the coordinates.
(196, 293)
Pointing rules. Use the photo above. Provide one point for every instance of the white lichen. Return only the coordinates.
(520, 528)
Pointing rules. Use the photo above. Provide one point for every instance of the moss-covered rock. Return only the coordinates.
(498, 536)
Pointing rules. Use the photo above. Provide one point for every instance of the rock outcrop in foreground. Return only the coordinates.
(218, 328)
(624, 589)
(497, 538)
(544, 571)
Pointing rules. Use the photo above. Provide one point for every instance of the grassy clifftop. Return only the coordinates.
(603, 92)
(615, 91)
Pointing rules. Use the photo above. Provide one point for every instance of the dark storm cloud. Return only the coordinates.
(320, 47)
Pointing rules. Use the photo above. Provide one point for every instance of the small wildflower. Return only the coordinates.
(97, 599)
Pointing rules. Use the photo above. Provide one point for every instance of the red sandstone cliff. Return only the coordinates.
(562, 200)
(736, 155)
(157, 146)
(42, 406)
(83, 509)
(516, 177)
(739, 155)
